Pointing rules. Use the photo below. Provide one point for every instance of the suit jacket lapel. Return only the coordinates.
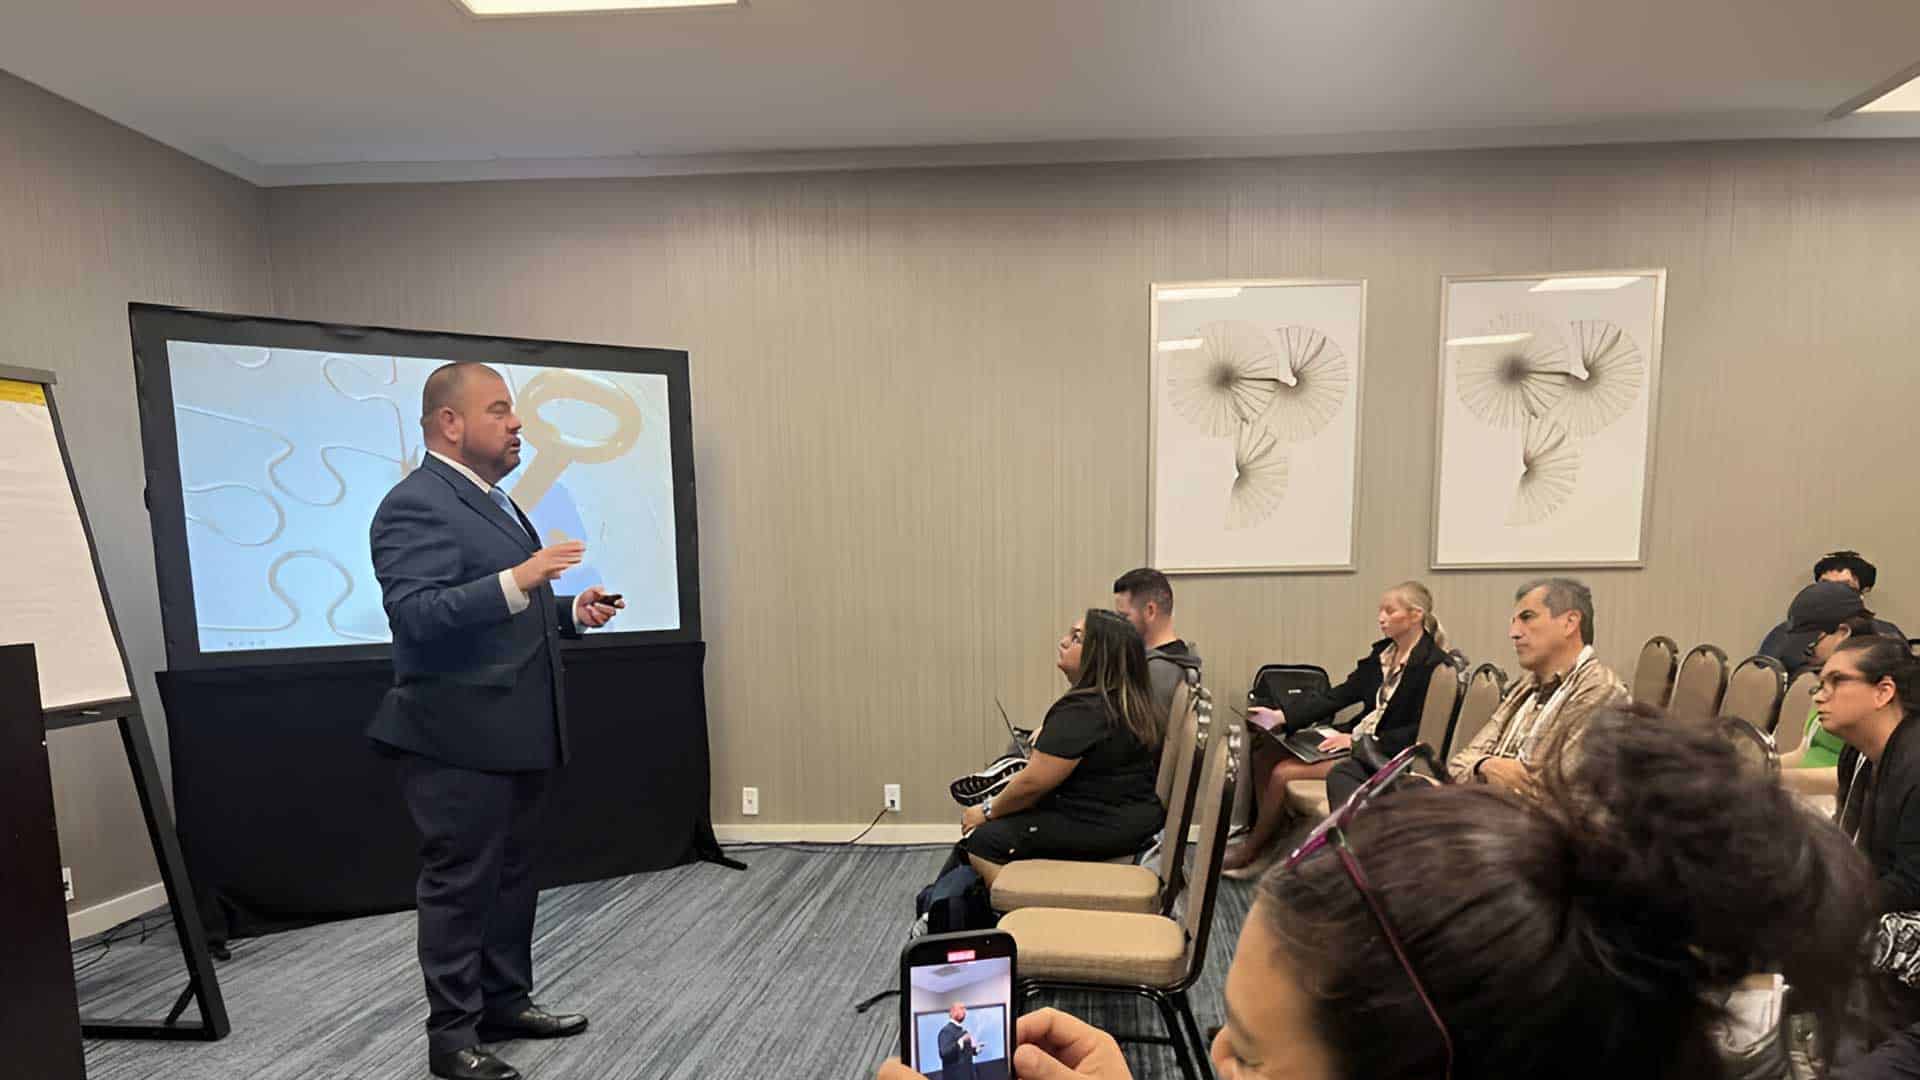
(480, 504)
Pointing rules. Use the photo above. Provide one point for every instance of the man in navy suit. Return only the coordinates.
(476, 716)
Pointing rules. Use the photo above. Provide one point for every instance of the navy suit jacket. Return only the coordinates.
(474, 685)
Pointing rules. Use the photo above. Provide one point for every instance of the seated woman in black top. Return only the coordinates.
(1391, 681)
(1088, 790)
(1869, 695)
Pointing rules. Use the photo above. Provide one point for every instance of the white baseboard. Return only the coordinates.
(108, 914)
(836, 834)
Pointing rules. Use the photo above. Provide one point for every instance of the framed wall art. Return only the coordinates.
(1547, 391)
(1255, 407)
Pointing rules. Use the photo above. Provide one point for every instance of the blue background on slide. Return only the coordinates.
(286, 453)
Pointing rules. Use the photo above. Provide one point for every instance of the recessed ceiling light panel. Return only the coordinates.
(494, 9)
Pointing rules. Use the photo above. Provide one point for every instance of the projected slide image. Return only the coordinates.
(285, 454)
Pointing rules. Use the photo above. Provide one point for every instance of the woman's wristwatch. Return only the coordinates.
(986, 809)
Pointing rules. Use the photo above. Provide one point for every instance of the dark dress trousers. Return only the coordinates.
(476, 719)
(956, 1060)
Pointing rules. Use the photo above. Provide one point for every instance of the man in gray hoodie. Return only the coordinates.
(1145, 597)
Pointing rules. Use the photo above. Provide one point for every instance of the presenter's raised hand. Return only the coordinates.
(1056, 1046)
(548, 563)
(593, 607)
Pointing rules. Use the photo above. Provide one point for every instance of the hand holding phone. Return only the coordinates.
(957, 1002)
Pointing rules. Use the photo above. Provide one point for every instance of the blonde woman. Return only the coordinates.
(1391, 681)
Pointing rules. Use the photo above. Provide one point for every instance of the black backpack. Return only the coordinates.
(958, 901)
(1275, 686)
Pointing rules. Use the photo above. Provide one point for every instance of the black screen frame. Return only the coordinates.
(152, 326)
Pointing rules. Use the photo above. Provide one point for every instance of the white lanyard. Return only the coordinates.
(1523, 745)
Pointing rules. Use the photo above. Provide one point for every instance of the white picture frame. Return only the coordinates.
(1548, 395)
(1255, 406)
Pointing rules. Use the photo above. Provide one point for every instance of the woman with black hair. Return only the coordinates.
(1088, 789)
(1588, 932)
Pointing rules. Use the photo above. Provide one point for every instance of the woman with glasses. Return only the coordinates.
(1869, 687)
(1438, 932)
(1819, 752)
(1390, 682)
(1088, 789)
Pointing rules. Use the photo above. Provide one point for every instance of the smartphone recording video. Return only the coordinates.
(956, 1006)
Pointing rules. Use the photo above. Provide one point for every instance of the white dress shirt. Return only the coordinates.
(517, 599)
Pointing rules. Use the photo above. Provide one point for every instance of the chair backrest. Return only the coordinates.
(1653, 673)
(1755, 748)
(1702, 681)
(1485, 687)
(1179, 727)
(1215, 811)
(1172, 864)
(1795, 707)
(1276, 684)
(1754, 691)
(1436, 713)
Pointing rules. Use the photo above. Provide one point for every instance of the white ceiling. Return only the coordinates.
(332, 91)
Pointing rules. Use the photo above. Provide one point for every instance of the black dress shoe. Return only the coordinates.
(470, 1064)
(532, 1022)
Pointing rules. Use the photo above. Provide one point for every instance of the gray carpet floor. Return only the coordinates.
(694, 972)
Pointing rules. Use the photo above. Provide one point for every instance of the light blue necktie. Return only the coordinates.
(506, 506)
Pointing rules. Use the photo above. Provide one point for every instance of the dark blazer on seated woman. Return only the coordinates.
(1400, 723)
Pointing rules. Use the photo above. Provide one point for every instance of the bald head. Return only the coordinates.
(956, 1012)
(466, 413)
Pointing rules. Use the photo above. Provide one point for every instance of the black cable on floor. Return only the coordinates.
(821, 847)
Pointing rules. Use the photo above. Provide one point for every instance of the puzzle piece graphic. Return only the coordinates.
(285, 456)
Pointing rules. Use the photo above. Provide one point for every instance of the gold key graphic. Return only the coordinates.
(557, 449)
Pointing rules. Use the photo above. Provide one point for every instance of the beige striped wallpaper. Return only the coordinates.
(91, 217)
(920, 400)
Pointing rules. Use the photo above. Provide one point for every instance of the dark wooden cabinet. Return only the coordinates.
(39, 1011)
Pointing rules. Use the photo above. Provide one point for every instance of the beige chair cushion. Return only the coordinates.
(1823, 805)
(1308, 797)
(1086, 886)
(1107, 947)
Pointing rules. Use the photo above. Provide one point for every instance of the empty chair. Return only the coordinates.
(1485, 687)
(1179, 724)
(1754, 692)
(1701, 683)
(1653, 673)
(1754, 746)
(1442, 704)
(1796, 710)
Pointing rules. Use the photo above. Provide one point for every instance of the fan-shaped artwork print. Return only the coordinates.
(1549, 471)
(1314, 387)
(1506, 383)
(1259, 477)
(1228, 381)
(1615, 372)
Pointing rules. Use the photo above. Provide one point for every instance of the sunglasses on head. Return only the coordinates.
(1332, 833)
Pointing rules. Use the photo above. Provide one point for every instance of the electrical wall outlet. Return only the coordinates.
(892, 792)
(66, 881)
(750, 801)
